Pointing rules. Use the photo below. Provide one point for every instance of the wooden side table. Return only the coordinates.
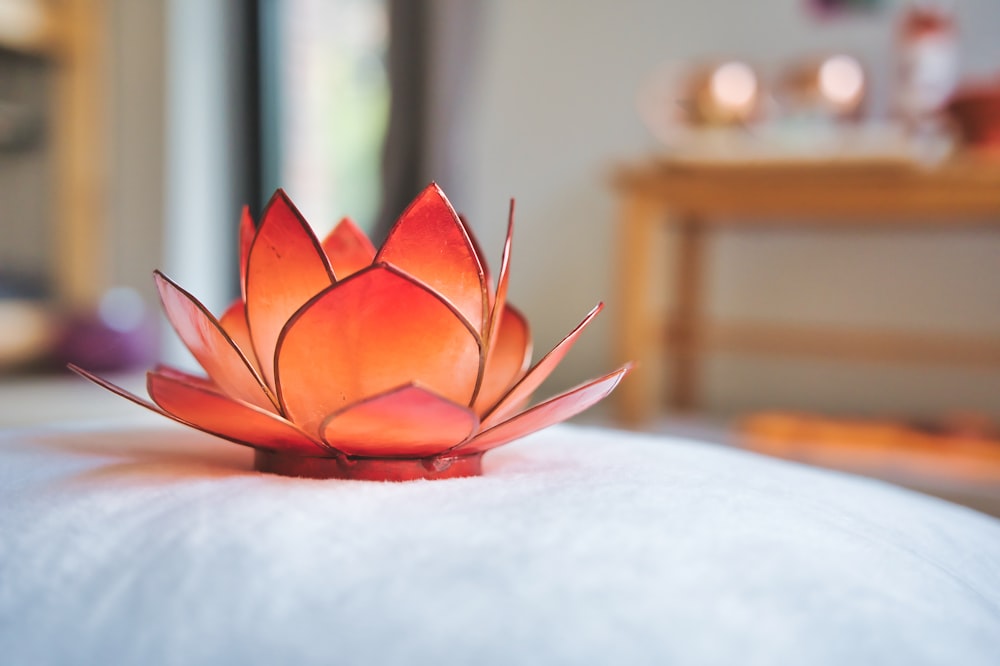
(694, 198)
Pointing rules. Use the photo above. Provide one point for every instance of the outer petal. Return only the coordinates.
(430, 244)
(500, 299)
(478, 249)
(348, 249)
(119, 391)
(548, 413)
(185, 378)
(404, 422)
(214, 413)
(247, 231)
(212, 346)
(375, 331)
(280, 435)
(519, 395)
(508, 359)
(286, 267)
(496, 369)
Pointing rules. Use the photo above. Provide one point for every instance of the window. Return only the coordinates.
(325, 106)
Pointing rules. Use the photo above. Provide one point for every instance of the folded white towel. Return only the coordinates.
(157, 545)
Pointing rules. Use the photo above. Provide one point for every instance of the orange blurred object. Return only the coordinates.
(833, 86)
(965, 447)
(342, 361)
(723, 94)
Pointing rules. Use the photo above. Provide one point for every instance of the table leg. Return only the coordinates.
(637, 342)
(685, 326)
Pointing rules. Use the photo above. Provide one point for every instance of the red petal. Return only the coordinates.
(234, 323)
(200, 407)
(285, 269)
(118, 390)
(348, 249)
(247, 231)
(211, 345)
(508, 359)
(430, 244)
(519, 395)
(548, 413)
(185, 377)
(191, 401)
(501, 293)
(403, 422)
(497, 315)
(374, 331)
(481, 256)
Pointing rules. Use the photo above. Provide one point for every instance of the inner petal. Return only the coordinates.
(429, 243)
(348, 249)
(234, 323)
(370, 333)
(285, 268)
(508, 358)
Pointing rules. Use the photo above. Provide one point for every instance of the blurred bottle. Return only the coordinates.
(927, 65)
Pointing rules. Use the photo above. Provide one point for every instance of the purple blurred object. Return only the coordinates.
(119, 335)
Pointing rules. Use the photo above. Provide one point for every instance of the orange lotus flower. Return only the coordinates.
(340, 361)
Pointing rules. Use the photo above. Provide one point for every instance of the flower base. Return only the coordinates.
(369, 469)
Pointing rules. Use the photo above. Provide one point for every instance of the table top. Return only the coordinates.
(963, 190)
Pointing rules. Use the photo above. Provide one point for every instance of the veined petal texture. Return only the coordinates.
(408, 421)
(211, 346)
(218, 414)
(429, 243)
(348, 249)
(375, 331)
(285, 268)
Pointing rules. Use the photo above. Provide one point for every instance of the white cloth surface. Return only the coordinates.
(148, 544)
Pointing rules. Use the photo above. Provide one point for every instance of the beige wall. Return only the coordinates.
(553, 109)
(25, 194)
(132, 195)
(137, 90)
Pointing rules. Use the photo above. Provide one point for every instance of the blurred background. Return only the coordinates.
(131, 133)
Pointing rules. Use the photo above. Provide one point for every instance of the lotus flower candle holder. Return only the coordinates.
(340, 361)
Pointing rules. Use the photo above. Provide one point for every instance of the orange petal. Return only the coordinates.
(286, 267)
(185, 377)
(348, 249)
(200, 407)
(548, 413)
(404, 422)
(430, 244)
(478, 249)
(211, 346)
(501, 294)
(234, 323)
(191, 401)
(118, 390)
(247, 231)
(508, 359)
(497, 313)
(372, 332)
(519, 395)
